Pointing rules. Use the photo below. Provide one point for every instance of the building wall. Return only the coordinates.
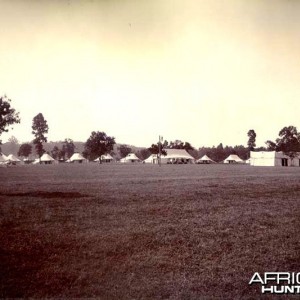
(271, 159)
(267, 162)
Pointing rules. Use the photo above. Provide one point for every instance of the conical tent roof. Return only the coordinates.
(76, 156)
(233, 157)
(12, 158)
(130, 157)
(205, 158)
(177, 153)
(46, 157)
(3, 156)
(2, 159)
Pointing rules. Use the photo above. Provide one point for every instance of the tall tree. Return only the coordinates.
(39, 129)
(25, 150)
(8, 115)
(252, 139)
(68, 147)
(99, 143)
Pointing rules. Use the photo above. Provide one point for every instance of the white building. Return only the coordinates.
(272, 158)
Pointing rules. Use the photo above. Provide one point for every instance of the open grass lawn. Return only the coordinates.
(144, 232)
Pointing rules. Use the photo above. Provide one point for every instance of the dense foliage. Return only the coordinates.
(157, 148)
(8, 115)
(25, 150)
(124, 150)
(252, 138)
(99, 143)
(39, 129)
(178, 144)
(288, 142)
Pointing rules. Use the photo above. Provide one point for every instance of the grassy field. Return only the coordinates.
(144, 232)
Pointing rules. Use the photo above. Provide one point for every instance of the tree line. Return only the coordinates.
(99, 143)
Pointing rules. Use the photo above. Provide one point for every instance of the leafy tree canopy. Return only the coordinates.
(154, 149)
(25, 150)
(143, 153)
(252, 139)
(55, 152)
(99, 143)
(288, 142)
(8, 115)
(124, 150)
(178, 144)
(39, 129)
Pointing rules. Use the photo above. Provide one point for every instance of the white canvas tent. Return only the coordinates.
(3, 158)
(177, 156)
(12, 159)
(174, 156)
(45, 159)
(205, 160)
(273, 159)
(106, 158)
(233, 159)
(130, 158)
(77, 158)
(152, 159)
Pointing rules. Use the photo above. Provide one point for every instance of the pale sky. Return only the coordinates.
(200, 71)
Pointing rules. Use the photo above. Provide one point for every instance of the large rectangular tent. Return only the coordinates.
(273, 159)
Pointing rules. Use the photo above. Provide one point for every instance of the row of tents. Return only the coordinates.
(174, 156)
(180, 156)
(10, 159)
(47, 159)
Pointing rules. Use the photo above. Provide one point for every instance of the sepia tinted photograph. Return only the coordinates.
(150, 149)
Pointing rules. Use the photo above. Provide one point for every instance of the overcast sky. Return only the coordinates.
(200, 71)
